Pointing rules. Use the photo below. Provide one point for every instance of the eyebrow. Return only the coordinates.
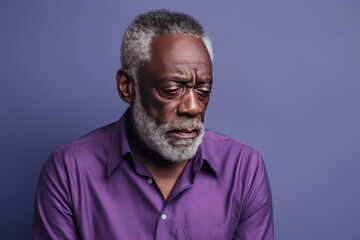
(204, 81)
(183, 80)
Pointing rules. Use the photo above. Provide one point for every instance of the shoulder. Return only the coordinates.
(94, 145)
(230, 155)
(225, 145)
(92, 141)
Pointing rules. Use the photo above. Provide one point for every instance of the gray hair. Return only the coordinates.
(136, 43)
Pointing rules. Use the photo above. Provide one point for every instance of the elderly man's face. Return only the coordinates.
(176, 83)
(174, 92)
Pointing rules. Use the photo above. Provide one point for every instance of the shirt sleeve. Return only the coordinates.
(256, 220)
(53, 216)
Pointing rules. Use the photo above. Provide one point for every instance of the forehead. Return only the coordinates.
(171, 52)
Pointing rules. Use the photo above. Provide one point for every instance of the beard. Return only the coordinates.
(156, 136)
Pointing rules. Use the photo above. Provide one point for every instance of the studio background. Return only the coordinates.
(286, 81)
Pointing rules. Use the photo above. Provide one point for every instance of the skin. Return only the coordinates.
(174, 85)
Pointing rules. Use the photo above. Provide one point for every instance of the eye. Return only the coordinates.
(203, 92)
(171, 92)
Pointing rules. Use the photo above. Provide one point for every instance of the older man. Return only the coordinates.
(157, 173)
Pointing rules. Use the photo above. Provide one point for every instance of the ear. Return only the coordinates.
(125, 86)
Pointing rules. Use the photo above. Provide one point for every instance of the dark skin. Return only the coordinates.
(174, 85)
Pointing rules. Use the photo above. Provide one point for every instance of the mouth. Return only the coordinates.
(183, 133)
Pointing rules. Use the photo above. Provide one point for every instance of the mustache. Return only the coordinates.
(194, 124)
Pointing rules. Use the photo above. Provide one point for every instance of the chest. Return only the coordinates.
(129, 206)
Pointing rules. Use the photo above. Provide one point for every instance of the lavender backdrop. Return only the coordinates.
(287, 80)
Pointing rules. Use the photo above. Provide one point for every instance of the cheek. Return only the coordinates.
(164, 113)
(159, 109)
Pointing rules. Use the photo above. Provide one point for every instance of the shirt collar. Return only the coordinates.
(120, 148)
(119, 144)
(209, 156)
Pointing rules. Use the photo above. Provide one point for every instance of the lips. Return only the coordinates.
(183, 133)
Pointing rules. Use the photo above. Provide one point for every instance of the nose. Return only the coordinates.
(189, 105)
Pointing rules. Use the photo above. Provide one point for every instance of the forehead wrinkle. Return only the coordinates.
(178, 70)
(185, 73)
(195, 66)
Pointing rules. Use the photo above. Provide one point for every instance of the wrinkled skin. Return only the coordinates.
(177, 82)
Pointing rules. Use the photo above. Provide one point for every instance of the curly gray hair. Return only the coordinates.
(136, 43)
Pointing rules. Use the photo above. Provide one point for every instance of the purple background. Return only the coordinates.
(287, 81)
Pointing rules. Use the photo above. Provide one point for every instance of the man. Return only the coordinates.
(156, 173)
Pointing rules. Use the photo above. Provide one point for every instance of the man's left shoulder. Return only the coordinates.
(226, 143)
(231, 159)
(222, 148)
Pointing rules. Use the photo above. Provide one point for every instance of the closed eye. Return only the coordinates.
(203, 92)
(171, 92)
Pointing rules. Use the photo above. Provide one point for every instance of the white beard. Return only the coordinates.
(155, 137)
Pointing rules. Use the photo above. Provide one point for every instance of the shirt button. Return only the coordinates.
(163, 216)
(150, 181)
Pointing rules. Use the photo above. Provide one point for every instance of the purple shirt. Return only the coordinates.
(93, 188)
